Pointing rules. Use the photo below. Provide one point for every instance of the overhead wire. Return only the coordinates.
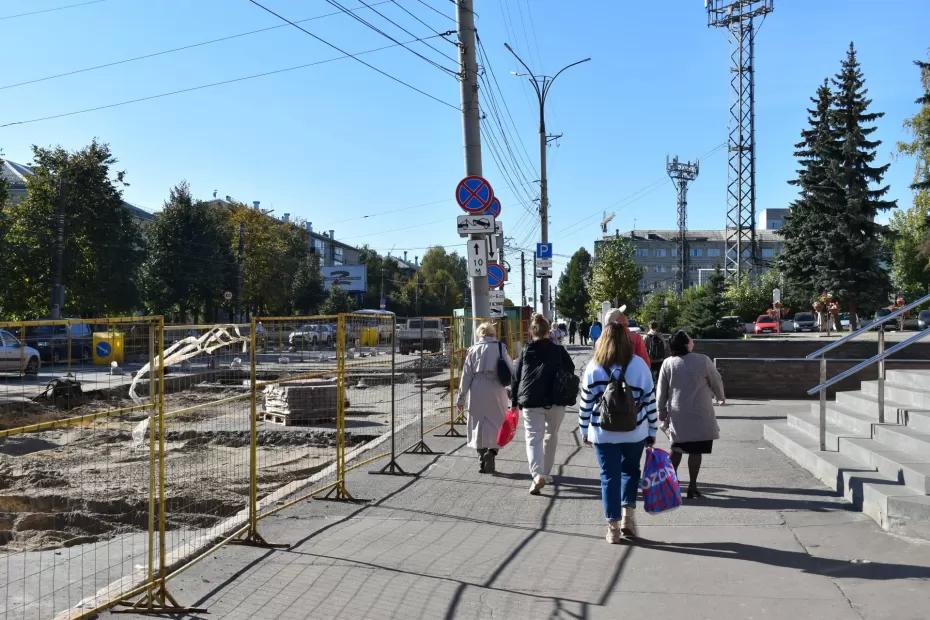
(51, 10)
(211, 85)
(435, 10)
(373, 27)
(413, 15)
(173, 49)
(354, 57)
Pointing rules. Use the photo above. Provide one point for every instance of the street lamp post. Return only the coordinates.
(542, 84)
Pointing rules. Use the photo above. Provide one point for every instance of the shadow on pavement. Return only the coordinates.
(798, 560)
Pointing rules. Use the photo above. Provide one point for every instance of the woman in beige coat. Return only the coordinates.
(687, 381)
(482, 394)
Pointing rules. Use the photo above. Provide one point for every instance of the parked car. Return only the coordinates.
(845, 321)
(51, 341)
(634, 327)
(429, 330)
(805, 322)
(923, 319)
(888, 325)
(311, 334)
(733, 324)
(766, 324)
(17, 357)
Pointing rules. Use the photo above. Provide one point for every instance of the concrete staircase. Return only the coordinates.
(883, 469)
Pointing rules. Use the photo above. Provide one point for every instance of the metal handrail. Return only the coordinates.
(866, 363)
(877, 358)
(868, 326)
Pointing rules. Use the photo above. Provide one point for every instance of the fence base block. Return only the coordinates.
(420, 448)
(452, 432)
(253, 539)
(159, 602)
(391, 469)
(339, 493)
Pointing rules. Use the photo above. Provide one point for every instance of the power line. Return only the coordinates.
(365, 22)
(413, 15)
(203, 86)
(51, 10)
(359, 60)
(437, 11)
(173, 49)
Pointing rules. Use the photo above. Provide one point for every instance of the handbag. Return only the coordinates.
(566, 385)
(503, 369)
(508, 427)
(659, 483)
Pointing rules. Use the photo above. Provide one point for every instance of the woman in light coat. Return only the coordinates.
(687, 381)
(482, 394)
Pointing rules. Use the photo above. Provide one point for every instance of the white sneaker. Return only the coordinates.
(538, 483)
(614, 535)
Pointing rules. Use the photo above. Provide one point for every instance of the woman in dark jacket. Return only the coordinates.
(532, 390)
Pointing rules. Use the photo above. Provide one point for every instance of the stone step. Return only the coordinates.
(917, 419)
(867, 404)
(910, 469)
(808, 422)
(858, 423)
(908, 396)
(892, 505)
(919, 379)
(903, 438)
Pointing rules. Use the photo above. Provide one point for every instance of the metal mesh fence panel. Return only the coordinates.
(76, 491)
(296, 406)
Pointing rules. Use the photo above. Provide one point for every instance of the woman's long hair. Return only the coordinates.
(613, 347)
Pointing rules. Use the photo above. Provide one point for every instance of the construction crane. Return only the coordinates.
(607, 219)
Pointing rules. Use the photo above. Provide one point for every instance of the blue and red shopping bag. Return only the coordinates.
(659, 482)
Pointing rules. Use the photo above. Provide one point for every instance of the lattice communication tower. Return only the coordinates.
(681, 174)
(741, 18)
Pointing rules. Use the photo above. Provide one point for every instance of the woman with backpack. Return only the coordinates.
(618, 416)
(687, 381)
(483, 394)
(534, 390)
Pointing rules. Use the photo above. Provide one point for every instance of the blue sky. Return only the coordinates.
(337, 142)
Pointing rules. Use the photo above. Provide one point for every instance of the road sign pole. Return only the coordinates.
(471, 125)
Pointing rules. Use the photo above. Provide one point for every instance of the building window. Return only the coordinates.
(768, 252)
(697, 252)
(319, 246)
(675, 251)
(642, 252)
(774, 224)
(661, 252)
(713, 252)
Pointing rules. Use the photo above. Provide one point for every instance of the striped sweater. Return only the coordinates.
(594, 382)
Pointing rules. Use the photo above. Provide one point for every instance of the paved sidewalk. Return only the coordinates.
(767, 542)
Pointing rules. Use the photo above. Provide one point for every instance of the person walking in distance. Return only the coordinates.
(595, 331)
(572, 328)
(583, 328)
(618, 315)
(687, 381)
(483, 395)
(532, 390)
(656, 348)
(617, 393)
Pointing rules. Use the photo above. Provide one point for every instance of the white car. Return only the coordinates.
(16, 357)
(634, 327)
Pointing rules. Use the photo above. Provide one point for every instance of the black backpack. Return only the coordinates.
(565, 385)
(655, 347)
(503, 370)
(618, 408)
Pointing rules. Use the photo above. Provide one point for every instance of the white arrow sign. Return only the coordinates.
(474, 225)
(477, 258)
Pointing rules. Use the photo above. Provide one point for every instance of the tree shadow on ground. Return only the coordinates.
(797, 560)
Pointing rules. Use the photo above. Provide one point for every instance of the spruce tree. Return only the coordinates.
(854, 273)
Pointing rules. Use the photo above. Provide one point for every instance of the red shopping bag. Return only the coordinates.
(659, 482)
(509, 427)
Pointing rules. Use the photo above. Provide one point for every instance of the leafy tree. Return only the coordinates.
(573, 299)
(307, 287)
(919, 125)
(702, 306)
(663, 307)
(103, 246)
(190, 261)
(443, 277)
(614, 275)
(337, 301)
(380, 269)
(749, 298)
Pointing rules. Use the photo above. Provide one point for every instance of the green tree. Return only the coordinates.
(380, 269)
(307, 287)
(702, 306)
(443, 277)
(103, 247)
(748, 298)
(572, 300)
(663, 307)
(337, 301)
(189, 262)
(614, 276)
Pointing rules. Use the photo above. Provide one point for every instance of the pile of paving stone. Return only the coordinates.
(300, 403)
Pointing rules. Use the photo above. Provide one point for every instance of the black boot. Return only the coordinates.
(482, 460)
(490, 467)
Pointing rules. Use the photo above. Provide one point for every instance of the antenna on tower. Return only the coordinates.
(682, 173)
(608, 217)
(739, 17)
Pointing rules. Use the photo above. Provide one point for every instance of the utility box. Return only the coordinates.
(108, 347)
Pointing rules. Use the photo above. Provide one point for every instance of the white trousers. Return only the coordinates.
(542, 437)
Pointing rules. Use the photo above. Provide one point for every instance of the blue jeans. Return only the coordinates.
(620, 474)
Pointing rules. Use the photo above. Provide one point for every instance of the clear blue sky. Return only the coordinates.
(335, 142)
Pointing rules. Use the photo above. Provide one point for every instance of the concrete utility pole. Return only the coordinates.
(542, 84)
(471, 125)
(535, 297)
(240, 259)
(522, 279)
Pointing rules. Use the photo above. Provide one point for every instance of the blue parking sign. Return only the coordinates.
(543, 250)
